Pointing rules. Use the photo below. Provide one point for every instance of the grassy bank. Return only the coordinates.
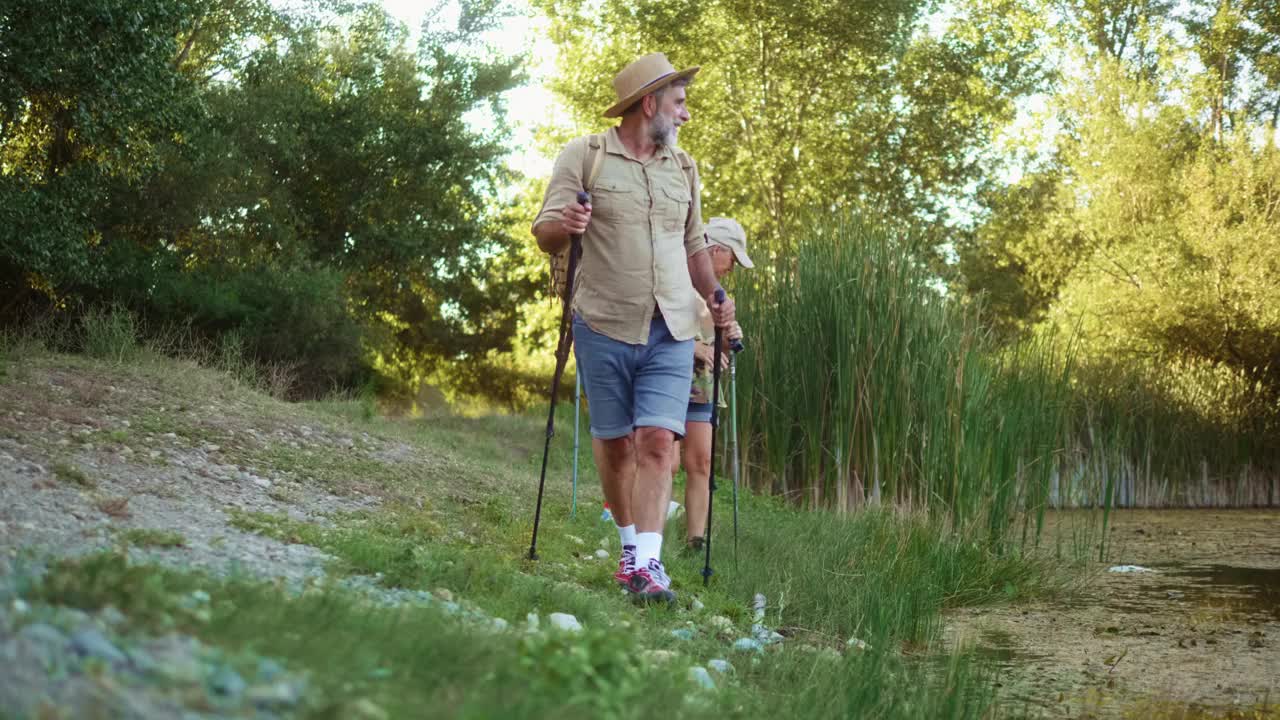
(455, 499)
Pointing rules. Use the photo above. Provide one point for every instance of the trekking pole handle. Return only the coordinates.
(735, 344)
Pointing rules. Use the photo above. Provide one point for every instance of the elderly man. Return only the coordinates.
(635, 313)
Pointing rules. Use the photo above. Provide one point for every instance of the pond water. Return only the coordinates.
(1199, 628)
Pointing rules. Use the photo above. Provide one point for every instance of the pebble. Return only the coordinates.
(857, 644)
(748, 645)
(91, 643)
(701, 677)
(682, 634)
(566, 622)
(697, 606)
(720, 623)
(365, 709)
(659, 656)
(269, 669)
(500, 625)
(276, 695)
(443, 594)
(111, 616)
(532, 622)
(227, 683)
(721, 666)
(602, 554)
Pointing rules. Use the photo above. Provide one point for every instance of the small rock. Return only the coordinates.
(500, 625)
(532, 622)
(682, 634)
(765, 635)
(20, 606)
(364, 709)
(277, 695)
(443, 594)
(269, 669)
(659, 657)
(111, 616)
(720, 623)
(856, 644)
(696, 605)
(721, 666)
(227, 683)
(748, 645)
(261, 482)
(602, 554)
(566, 622)
(701, 677)
(91, 643)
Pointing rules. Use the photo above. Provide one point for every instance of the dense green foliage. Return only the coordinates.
(1149, 222)
(307, 181)
(818, 103)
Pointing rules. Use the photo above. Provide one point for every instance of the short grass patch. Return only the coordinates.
(152, 538)
(69, 473)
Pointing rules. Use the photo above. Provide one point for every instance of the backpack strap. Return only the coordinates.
(591, 164)
(593, 161)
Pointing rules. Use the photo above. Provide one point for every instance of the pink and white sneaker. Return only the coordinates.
(626, 565)
(651, 584)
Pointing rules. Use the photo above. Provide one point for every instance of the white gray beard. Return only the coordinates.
(664, 135)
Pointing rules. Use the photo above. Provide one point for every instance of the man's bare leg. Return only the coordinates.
(616, 463)
(652, 489)
(697, 473)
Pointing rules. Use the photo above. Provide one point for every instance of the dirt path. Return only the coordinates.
(1199, 627)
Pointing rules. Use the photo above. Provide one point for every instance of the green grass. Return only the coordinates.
(148, 537)
(418, 662)
(69, 473)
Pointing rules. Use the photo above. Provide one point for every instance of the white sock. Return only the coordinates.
(627, 534)
(648, 547)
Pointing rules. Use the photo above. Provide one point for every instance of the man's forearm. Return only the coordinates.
(551, 236)
(702, 274)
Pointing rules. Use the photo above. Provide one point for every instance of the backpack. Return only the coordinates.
(591, 164)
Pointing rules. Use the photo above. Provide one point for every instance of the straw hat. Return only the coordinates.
(645, 75)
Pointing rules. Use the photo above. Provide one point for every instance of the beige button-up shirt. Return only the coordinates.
(646, 220)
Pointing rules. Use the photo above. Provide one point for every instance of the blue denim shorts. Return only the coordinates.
(632, 386)
(698, 412)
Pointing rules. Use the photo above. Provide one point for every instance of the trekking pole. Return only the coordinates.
(577, 426)
(562, 357)
(733, 439)
(715, 399)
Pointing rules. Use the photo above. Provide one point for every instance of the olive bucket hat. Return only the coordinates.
(643, 76)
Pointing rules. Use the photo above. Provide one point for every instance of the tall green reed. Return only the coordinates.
(865, 385)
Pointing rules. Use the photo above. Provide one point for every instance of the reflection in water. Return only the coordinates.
(1241, 591)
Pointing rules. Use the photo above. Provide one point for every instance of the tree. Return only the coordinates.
(816, 104)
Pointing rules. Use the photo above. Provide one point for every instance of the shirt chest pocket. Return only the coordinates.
(675, 208)
(615, 201)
